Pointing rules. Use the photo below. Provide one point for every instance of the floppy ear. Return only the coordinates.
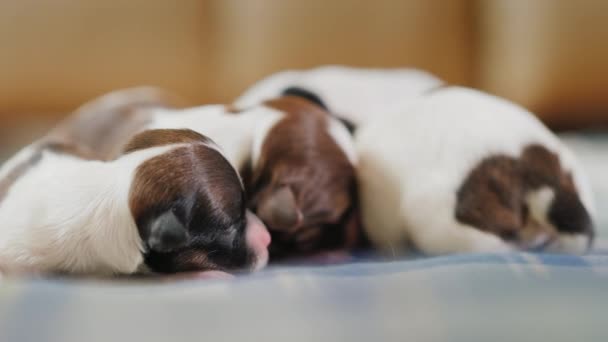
(279, 209)
(166, 233)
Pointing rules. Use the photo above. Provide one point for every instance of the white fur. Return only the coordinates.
(352, 93)
(240, 136)
(234, 133)
(343, 138)
(413, 163)
(71, 215)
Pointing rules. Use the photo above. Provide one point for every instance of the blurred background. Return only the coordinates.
(548, 55)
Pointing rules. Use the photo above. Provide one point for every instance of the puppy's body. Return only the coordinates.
(354, 94)
(414, 166)
(56, 215)
(167, 201)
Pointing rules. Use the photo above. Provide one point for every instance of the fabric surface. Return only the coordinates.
(518, 297)
(486, 297)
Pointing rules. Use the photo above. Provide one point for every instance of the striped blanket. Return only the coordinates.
(486, 297)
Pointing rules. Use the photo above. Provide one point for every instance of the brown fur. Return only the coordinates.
(492, 198)
(197, 181)
(299, 153)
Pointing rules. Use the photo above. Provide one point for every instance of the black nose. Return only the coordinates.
(167, 233)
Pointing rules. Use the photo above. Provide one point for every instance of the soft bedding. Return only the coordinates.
(514, 297)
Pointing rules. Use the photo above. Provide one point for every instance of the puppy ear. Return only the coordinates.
(279, 210)
(167, 233)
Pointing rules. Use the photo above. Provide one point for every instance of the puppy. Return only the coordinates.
(449, 169)
(469, 172)
(352, 94)
(169, 202)
(302, 180)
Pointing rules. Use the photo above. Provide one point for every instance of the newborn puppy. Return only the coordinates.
(302, 180)
(463, 171)
(352, 94)
(170, 202)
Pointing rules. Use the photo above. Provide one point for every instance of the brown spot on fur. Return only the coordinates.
(104, 125)
(163, 137)
(300, 154)
(493, 197)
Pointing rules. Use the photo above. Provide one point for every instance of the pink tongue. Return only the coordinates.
(197, 276)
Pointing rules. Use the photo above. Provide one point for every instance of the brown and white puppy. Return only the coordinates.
(302, 180)
(169, 201)
(464, 171)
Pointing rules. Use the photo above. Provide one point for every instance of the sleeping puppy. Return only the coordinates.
(352, 94)
(302, 182)
(463, 171)
(297, 162)
(170, 202)
(448, 170)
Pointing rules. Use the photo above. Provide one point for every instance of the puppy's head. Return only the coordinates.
(189, 207)
(530, 202)
(303, 184)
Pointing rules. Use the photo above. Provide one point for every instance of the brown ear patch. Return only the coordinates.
(493, 196)
(280, 210)
(163, 137)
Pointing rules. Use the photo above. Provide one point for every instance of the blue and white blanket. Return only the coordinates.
(511, 297)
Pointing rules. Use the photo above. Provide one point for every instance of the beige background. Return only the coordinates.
(549, 55)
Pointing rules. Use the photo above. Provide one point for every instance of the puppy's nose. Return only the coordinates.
(258, 239)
